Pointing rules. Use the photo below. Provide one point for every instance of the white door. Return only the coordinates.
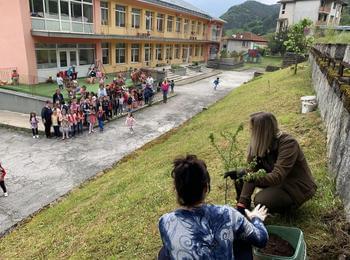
(67, 58)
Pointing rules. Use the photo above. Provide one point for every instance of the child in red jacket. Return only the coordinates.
(2, 180)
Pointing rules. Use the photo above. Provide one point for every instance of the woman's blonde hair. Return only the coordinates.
(264, 129)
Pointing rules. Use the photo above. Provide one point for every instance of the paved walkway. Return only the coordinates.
(41, 170)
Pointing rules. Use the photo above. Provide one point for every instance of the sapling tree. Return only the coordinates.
(232, 156)
(299, 40)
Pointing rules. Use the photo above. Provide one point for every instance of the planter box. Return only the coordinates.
(195, 68)
(293, 235)
(179, 71)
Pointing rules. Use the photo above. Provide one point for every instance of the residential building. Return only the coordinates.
(243, 42)
(41, 37)
(320, 12)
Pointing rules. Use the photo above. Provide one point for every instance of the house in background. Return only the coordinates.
(243, 42)
(320, 12)
(42, 37)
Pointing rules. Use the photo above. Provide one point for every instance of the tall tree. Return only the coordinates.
(299, 40)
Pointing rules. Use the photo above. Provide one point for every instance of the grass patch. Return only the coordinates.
(333, 36)
(48, 89)
(116, 215)
(265, 61)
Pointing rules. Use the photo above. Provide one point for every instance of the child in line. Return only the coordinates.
(80, 120)
(216, 83)
(64, 124)
(130, 122)
(55, 120)
(2, 180)
(34, 123)
(92, 118)
(100, 118)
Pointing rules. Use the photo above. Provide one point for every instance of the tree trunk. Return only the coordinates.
(296, 65)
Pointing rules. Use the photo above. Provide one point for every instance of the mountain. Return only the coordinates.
(251, 16)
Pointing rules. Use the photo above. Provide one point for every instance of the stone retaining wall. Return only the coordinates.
(332, 104)
(21, 102)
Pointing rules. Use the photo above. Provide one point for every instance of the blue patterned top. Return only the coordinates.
(208, 232)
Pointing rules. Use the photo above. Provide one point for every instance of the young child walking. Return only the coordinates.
(100, 118)
(130, 122)
(33, 120)
(92, 119)
(2, 180)
(216, 83)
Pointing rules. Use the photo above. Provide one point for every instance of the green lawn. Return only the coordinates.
(116, 214)
(48, 89)
(265, 61)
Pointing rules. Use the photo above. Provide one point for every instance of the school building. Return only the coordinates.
(41, 37)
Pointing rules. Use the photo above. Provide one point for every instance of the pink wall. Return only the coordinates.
(17, 45)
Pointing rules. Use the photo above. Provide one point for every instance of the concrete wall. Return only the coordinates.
(306, 9)
(237, 46)
(337, 121)
(20, 102)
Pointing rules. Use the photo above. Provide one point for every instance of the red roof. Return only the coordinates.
(246, 36)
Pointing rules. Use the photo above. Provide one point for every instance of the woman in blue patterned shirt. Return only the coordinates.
(202, 231)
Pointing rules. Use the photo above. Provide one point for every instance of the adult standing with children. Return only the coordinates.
(288, 182)
(46, 114)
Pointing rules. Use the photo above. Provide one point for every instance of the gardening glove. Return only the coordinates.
(234, 175)
(258, 212)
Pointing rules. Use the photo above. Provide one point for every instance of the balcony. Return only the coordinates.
(56, 25)
(324, 10)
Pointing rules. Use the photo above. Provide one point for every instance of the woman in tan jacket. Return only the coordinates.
(288, 182)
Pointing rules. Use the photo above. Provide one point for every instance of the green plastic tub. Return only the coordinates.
(293, 235)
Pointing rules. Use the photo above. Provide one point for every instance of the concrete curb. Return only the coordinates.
(196, 78)
(28, 130)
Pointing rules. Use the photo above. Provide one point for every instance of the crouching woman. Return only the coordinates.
(197, 230)
(288, 182)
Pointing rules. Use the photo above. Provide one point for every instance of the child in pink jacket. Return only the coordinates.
(130, 122)
(2, 180)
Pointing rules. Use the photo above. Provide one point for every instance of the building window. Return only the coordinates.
(184, 51)
(283, 8)
(135, 18)
(186, 26)
(159, 50)
(191, 50)
(104, 13)
(149, 20)
(148, 52)
(170, 22)
(177, 51)
(160, 22)
(135, 52)
(193, 28)
(325, 17)
(199, 27)
(178, 25)
(120, 12)
(196, 52)
(202, 50)
(204, 29)
(105, 53)
(36, 8)
(245, 44)
(86, 54)
(120, 53)
(169, 52)
(46, 59)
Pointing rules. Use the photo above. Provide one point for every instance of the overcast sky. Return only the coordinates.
(219, 7)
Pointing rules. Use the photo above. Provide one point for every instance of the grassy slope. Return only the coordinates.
(116, 215)
(265, 61)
